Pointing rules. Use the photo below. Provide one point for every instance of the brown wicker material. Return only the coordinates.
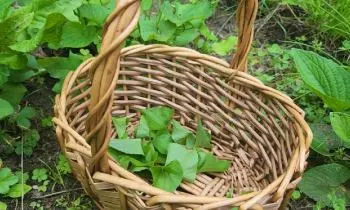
(260, 129)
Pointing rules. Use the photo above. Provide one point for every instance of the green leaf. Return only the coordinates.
(30, 141)
(24, 117)
(120, 125)
(5, 5)
(188, 160)
(127, 146)
(325, 78)
(167, 177)
(3, 206)
(4, 74)
(142, 129)
(151, 28)
(13, 93)
(209, 163)
(18, 190)
(179, 132)
(203, 137)
(182, 13)
(66, 8)
(158, 117)
(341, 125)
(190, 141)
(58, 67)
(11, 27)
(324, 140)
(40, 174)
(5, 108)
(146, 4)
(13, 61)
(76, 35)
(95, 13)
(7, 179)
(319, 181)
(204, 30)
(186, 36)
(162, 140)
(225, 46)
(151, 155)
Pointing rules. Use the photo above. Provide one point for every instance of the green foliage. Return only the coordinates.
(62, 165)
(325, 141)
(165, 148)
(341, 124)
(320, 181)
(5, 108)
(40, 174)
(225, 46)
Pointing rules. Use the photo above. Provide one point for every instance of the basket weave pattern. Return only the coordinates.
(258, 128)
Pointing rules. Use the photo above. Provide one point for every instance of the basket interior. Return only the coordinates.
(248, 126)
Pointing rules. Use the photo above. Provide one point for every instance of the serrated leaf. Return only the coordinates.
(30, 141)
(341, 125)
(167, 177)
(179, 132)
(203, 137)
(209, 163)
(7, 179)
(188, 160)
(24, 117)
(18, 190)
(324, 139)
(225, 46)
(13, 93)
(322, 180)
(5, 108)
(40, 174)
(95, 13)
(324, 77)
(120, 124)
(158, 118)
(76, 35)
(142, 129)
(186, 36)
(162, 140)
(127, 146)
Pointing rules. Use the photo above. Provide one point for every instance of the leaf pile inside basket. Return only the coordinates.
(164, 151)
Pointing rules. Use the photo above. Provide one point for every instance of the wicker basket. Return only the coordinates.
(260, 129)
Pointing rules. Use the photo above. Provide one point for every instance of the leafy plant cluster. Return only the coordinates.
(163, 147)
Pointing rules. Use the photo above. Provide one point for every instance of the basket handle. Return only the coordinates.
(245, 18)
(104, 70)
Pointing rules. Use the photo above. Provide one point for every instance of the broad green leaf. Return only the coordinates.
(179, 132)
(18, 190)
(203, 137)
(28, 45)
(186, 36)
(4, 74)
(64, 7)
(127, 146)
(24, 117)
(324, 77)
(151, 155)
(7, 179)
(76, 35)
(120, 125)
(5, 108)
(11, 27)
(142, 129)
(209, 163)
(188, 160)
(158, 118)
(128, 161)
(53, 30)
(190, 141)
(23, 75)
(204, 30)
(167, 177)
(146, 4)
(3, 206)
(13, 93)
(151, 28)
(322, 180)
(5, 5)
(95, 13)
(341, 125)
(225, 46)
(324, 140)
(162, 140)
(58, 67)
(182, 13)
(13, 61)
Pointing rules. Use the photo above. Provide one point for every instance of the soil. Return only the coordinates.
(41, 97)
